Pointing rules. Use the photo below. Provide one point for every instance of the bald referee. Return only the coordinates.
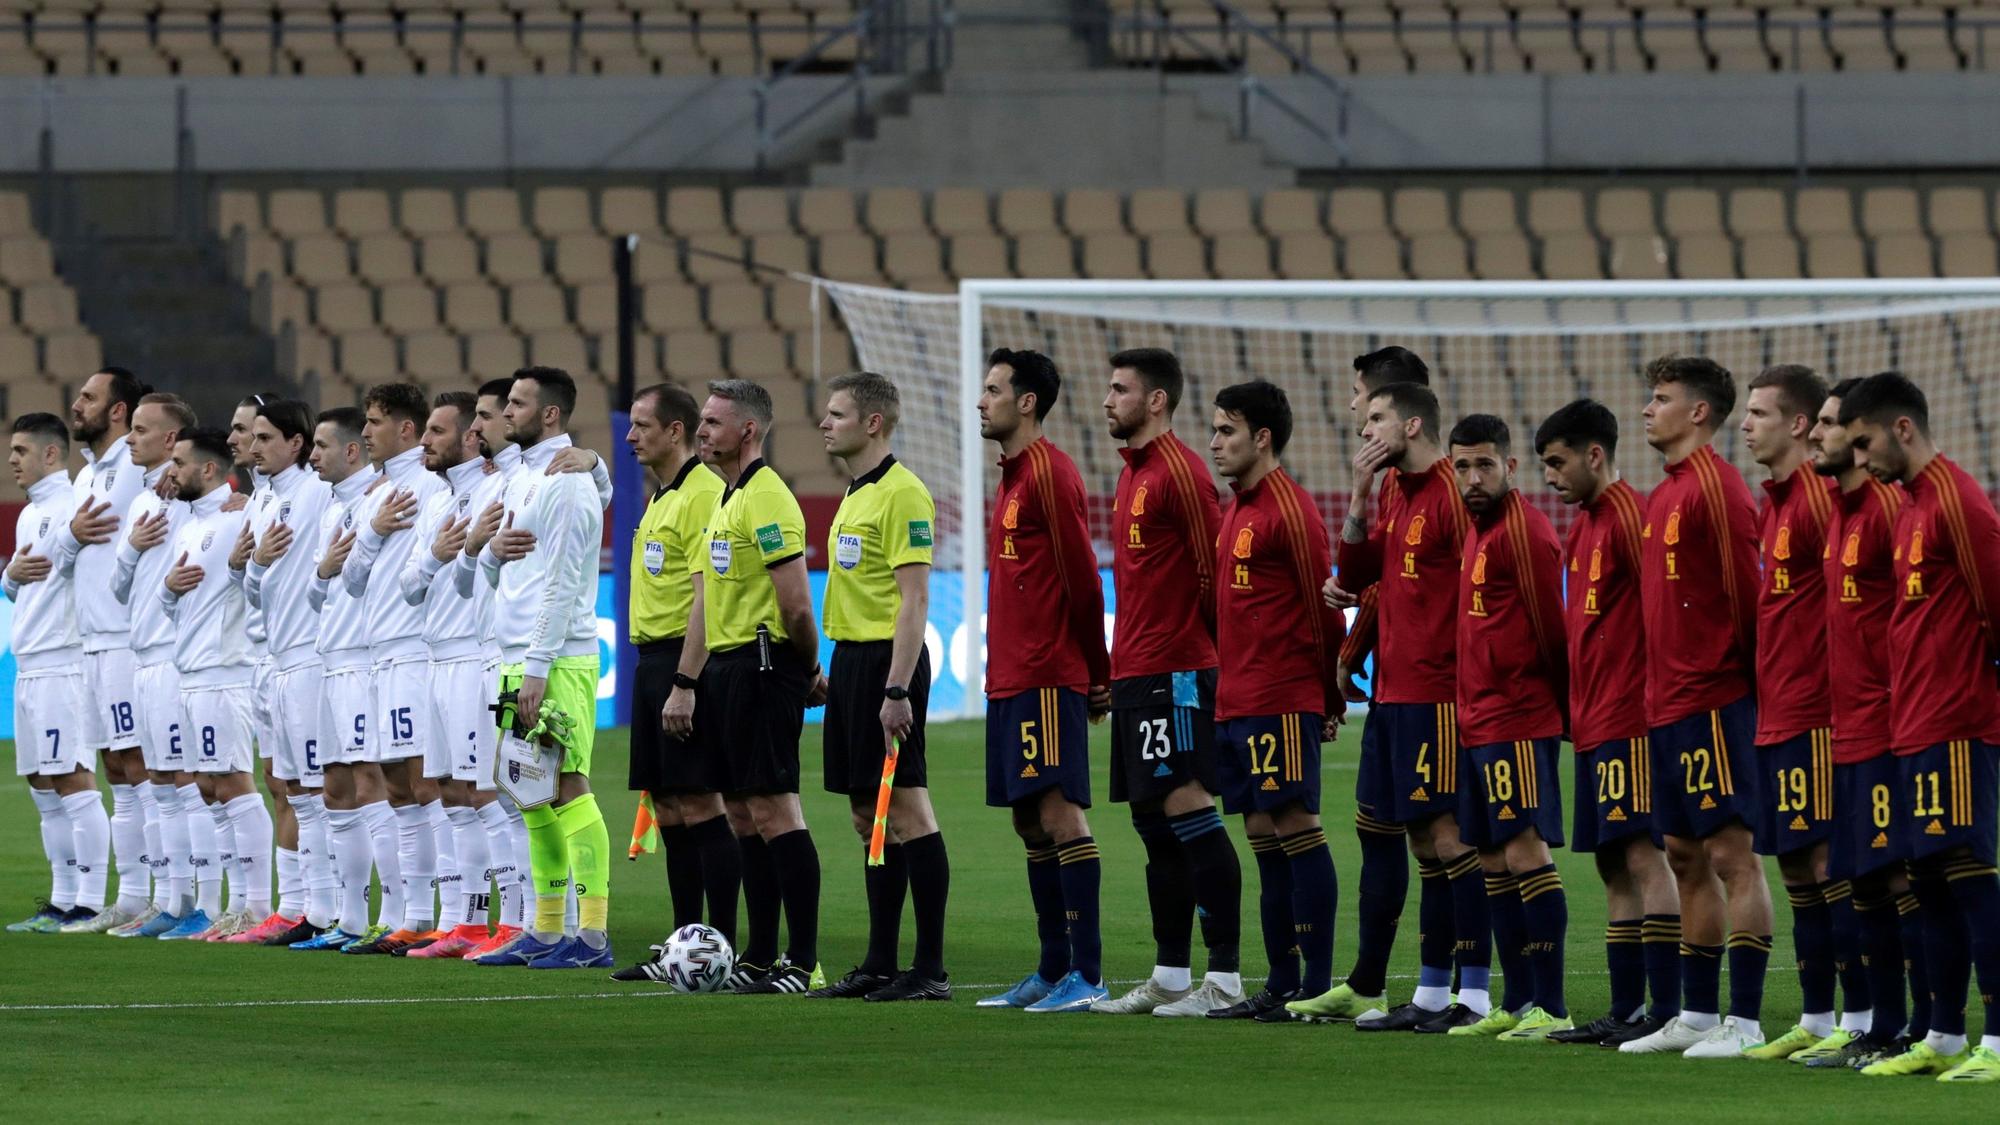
(877, 603)
(753, 673)
(701, 851)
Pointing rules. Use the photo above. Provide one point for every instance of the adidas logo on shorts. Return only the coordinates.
(1029, 771)
(1707, 802)
(1506, 813)
(1881, 840)
(1270, 785)
(1934, 828)
(1420, 795)
(1616, 815)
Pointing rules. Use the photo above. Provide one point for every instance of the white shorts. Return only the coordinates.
(260, 708)
(48, 723)
(296, 711)
(458, 720)
(402, 699)
(158, 687)
(345, 697)
(110, 713)
(216, 729)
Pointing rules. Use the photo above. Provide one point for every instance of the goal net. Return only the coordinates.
(1515, 349)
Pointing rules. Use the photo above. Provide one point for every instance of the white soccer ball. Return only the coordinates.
(696, 959)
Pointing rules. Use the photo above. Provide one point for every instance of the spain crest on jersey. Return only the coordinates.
(1782, 548)
(1850, 551)
(1415, 534)
(1596, 563)
(1011, 519)
(1241, 548)
(1673, 532)
(1916, 546)
(1139, 501)
(1479, 568)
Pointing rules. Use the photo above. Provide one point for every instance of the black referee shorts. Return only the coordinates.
(853, 724)
(660, 762)
(754, 718)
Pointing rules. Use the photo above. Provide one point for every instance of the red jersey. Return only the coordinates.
(1791, 607)
(1607, 626)
(1360, 640)
(1414, 551)
(1861, 594)
(1697, 581)
(1279, 637)
(1512, 669)
(1946, 555)
(1045, 606)
(1166, 519)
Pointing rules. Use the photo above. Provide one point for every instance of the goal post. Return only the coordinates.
(1515, 349)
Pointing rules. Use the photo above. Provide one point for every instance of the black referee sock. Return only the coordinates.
(1916, 962)
(797, 861)
(760, 902)
(1045, 888)
(1082, 873)
(930, 886)
(1218, 886)
(1170, 892)
(1274, 907)
(721, 872)
(683, 857)
(886, 885)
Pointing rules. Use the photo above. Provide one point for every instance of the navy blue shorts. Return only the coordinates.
(1948, 799)
(1865, 798)
(1422, 744)
(1706, 773)
(1510, 786)
(1614, 794)
(1162, 735)
(1374, 795)
(1265, 761)
(1038, 740)
(1798, 804)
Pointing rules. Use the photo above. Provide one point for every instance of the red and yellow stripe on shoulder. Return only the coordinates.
(1951, 508)
(1889, 500)
(1521, 541)
(1461, 517)
(1041, 473)
(1703, 461)
(1819, 498)
(1199, 537)
(1292, 501)
(1625, 513)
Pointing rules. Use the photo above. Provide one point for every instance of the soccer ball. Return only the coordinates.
(696, 959)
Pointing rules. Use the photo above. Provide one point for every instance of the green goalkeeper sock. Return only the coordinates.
(590, 859)
(548, 862)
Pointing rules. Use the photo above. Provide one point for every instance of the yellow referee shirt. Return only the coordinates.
(665, 552)
(884, 523)
(756, 526)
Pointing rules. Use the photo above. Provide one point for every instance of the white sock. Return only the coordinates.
(1819, 1024)
(569, 906)
(1700, 1021)
(291, 885)
(1230, 983)
(524, 877)
(500, 850)
(252, 821)
(128, 849)
(179, 850)
(1945, 1044)
(59, 844)
(381, 821)
(322, 885)
(1990, 1042)
(416, 848)
(156, 846)
(450, 888)
(1479, 1000)
(225, 854)
(353, 856)
(93, 846)
(1750, 1029)
(474, 858)
(205, 850)
(1858, 1023)
(1432, 997)
(1173, 978)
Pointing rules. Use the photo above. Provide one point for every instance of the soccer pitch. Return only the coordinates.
(101, 1028)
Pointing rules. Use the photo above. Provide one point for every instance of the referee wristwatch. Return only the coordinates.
(683, 680)
(896, 693)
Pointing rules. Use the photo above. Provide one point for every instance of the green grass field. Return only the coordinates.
(98, 1028)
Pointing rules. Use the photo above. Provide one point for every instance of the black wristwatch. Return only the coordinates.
(683, 680)
(898, 694)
